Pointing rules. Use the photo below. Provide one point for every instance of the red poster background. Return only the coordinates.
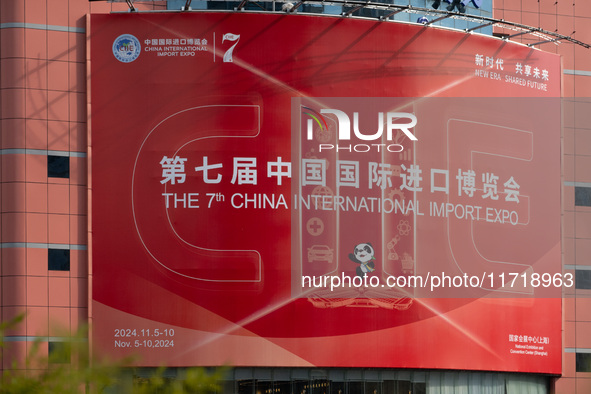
(220, 276)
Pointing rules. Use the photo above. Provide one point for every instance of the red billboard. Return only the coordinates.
(292, 190)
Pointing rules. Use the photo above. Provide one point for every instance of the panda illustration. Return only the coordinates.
(363, 254)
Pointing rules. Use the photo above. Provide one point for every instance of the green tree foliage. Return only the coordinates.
(71, 368)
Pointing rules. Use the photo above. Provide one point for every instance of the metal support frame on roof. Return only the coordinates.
(437, 20)
(384, 17)
(480, 26)
(298, 5)
(352, 10)
(242, 4)
(527, 31)
(187, 6)
(542, 42)
(542, 35)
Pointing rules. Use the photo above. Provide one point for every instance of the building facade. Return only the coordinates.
(45, 218)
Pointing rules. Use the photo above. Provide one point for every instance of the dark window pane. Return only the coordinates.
(583, 279)
(373, 387)
(337, 388)
(390, 387)
(583, 362)
(419, 388)
(246, 386)
(404, 386)
(356, 387)
(583, 196)
(59, 352)
(58, 166)
(300, 386)
(58, 259)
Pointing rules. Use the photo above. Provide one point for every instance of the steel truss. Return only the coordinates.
(541, 36)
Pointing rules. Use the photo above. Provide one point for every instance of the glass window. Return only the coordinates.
(300, 386)
(583, 279)
(58, 166)
(337, 387)
(58, 259)
(582, 196)
(246, 386)
(263, 387)
(356, 388)
(583, 361)
(58, 352)
(389, 381)
(373, 388)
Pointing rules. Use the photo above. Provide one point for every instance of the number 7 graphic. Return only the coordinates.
(230, 37)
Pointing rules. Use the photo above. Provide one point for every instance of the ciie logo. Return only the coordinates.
(229, 53)
(126, 48)
(398, 125)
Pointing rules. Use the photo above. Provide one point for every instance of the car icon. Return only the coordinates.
(320, 253)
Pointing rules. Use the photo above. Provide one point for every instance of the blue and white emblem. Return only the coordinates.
(126, 48)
